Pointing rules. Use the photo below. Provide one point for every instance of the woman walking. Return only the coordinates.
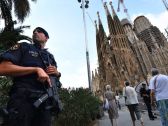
(112, 111)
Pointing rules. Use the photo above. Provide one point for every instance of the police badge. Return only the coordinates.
(15, 47)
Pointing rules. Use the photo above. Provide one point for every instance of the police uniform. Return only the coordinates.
(25, 89)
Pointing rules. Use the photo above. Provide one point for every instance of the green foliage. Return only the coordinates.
(21, 9)
(5, 85)
(9, 36)
(80, 107)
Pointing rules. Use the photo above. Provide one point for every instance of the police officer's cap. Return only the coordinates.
(40, 29)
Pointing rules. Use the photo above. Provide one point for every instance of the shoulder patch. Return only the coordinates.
(15, 47)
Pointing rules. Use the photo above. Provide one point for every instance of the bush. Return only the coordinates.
(80, 107)
(5, 85)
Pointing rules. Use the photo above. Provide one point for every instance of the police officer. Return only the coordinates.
(29, 65)
(145, 94)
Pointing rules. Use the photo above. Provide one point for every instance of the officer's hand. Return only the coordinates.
(52, 70)
(43, 76)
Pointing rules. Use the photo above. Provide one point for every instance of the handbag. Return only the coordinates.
(106, 104)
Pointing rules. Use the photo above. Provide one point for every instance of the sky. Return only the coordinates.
(63, 20)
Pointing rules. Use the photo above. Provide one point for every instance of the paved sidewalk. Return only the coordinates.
(125, 119)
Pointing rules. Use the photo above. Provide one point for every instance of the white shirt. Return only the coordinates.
(131, 95)
(117, 97)
(161, 91)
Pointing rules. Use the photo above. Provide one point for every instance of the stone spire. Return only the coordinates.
(102, 33)
(119, 28)
(113, 11)
(101, 29)
(98, 44)
(103, 46)
(109, 20)
(97, 31)
(106, 8)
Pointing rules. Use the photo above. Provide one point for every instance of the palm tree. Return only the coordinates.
(21, 9)
(10, 35)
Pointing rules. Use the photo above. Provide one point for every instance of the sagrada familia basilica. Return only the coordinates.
(129, 52)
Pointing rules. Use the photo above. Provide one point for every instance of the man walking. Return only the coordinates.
(159, 91)
(145, 94)
(131, 102)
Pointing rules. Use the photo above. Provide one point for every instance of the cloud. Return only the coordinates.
(78, 77)
(159, 20)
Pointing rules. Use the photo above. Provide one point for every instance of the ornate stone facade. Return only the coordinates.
(127, 53)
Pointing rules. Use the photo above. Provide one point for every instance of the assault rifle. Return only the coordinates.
(52, 93)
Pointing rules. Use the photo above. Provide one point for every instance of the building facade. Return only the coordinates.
(128, 53)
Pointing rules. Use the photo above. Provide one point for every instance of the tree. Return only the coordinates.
(5, 85)
(10, 35)
(8, 38)
(21, 9)
(80, 107)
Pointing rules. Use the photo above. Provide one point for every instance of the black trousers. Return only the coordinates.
(23, 113)
(134, 110)
(149, 108)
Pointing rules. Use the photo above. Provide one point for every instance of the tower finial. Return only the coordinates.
(96, 26)
(99, 20)
(112, 8)
(95, 23)
(106, 8)
(105, 3)
(98, 14)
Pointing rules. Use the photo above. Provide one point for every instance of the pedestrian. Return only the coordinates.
(145, 94)
(30, 66)
(112, 111)
(132, 103)
(117, 100)
(159, 92)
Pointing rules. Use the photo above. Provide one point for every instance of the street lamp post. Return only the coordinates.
(84, 5)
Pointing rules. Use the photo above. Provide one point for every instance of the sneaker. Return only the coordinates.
(155, 117)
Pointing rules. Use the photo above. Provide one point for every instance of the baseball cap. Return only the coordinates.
(40, 29)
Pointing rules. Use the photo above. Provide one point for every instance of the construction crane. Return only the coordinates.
(165, 3)
(166, 29)
(121, 2)
(125, 9)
